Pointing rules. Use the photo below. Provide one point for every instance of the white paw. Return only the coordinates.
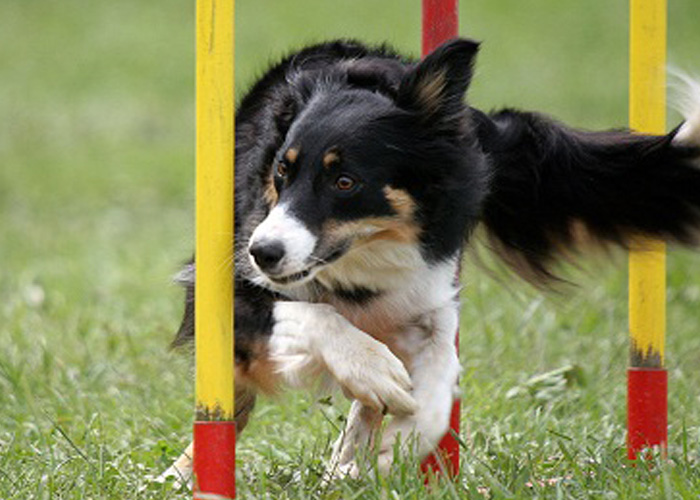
(307, 336)
(371, 374)
(291, 350)
(180, 477)
(180, 472)
(350, 470)
(415, 435)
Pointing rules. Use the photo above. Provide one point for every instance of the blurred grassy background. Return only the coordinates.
(96, 199)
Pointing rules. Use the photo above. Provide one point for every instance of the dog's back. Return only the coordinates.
(360, 176)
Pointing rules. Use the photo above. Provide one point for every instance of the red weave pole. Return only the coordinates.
(441, 23)
(647, 410)
(214, 452)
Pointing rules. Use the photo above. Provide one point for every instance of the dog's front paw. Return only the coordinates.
(370, 373)
(306, 336)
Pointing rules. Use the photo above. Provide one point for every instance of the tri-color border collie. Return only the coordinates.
(360, 176)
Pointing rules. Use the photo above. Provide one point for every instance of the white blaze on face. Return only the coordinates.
(283, 228)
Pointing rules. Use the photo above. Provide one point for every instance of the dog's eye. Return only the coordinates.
(344, 183)
(281, 169)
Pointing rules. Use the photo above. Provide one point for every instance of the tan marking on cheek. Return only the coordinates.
(332, 157)
(374, 229)
(269, 192)
(291, 155)
(398, 231)
(402, 202)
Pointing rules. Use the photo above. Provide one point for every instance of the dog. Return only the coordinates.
(360, 177)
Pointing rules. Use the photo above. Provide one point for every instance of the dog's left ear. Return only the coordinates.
(436, 86)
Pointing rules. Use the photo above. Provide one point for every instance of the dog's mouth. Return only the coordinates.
(291, 278)
(307, 274)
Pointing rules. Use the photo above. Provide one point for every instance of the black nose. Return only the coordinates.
(267, 254)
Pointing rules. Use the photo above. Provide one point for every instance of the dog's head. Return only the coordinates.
(360, 164)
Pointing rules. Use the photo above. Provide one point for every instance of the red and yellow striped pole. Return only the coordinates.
(647, 377)
(214, 428)
(440, 23)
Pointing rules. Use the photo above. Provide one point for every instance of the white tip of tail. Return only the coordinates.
(687, 101)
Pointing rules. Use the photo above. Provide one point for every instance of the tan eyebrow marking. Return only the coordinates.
(331, 157)
(291, 155)
(377, 228)
(269, 191)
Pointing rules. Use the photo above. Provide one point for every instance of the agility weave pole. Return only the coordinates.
(647, 393)
(440, 22)
(214, 428)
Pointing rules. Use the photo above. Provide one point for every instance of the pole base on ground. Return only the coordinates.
(647, 410)
(214, 460)
(446, 457)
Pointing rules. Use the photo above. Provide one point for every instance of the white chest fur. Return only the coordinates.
(408, 290)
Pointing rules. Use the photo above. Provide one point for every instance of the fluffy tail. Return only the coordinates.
(555, 187)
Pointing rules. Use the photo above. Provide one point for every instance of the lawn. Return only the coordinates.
(96, 214)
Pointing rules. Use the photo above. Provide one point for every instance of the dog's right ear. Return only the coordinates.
(434, 89)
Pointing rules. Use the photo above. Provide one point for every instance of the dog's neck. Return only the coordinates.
(383, 286)
(375, 266)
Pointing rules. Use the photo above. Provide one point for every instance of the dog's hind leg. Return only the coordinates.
(358, 436)
(181, 471)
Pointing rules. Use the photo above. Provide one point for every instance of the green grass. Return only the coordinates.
(96, 198)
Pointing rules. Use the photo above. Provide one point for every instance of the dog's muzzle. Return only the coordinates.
(281, 247)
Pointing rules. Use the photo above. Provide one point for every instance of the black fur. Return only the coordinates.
(551, 181)
(358, 295)
(532, 182)
(252, 316)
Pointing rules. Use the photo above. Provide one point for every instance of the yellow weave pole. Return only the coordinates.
(647, 379)
(214, 435)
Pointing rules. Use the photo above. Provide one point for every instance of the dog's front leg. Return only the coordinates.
(309, 340)
(434, 372)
